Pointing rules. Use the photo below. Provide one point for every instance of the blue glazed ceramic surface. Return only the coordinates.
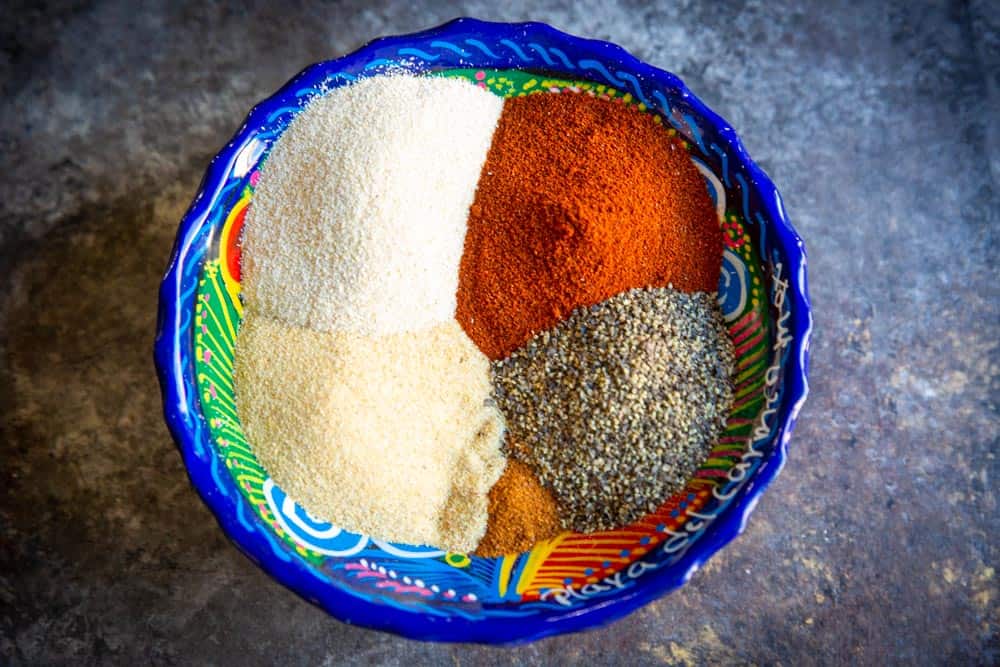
(424, 593)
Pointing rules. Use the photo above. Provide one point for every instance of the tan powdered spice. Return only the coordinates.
(393, 436)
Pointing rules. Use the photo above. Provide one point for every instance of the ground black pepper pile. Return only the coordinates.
(618, 404)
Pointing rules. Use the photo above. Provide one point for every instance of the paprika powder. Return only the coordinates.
(580, 198)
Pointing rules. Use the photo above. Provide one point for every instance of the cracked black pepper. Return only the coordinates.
(618, 404)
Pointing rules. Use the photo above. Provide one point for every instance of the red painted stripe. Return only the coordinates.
(759, 336)
(746, 332)
(749, 398)
(752, 380)
(569, 559)
(743, 321)
(590, 538)
(557, 571)
(728, 452)
(605, 543)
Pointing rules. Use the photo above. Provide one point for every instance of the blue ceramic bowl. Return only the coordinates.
(570, 582)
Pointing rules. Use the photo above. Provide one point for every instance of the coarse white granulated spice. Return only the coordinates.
(392, 436)
(358, 222)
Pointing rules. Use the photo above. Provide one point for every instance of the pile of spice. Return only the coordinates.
(618, 404)
(359, 392)
(522, 513)
(580, 198)
(389, 435)
(359, 220)
(426, 266)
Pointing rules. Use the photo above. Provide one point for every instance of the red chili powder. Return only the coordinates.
(580, 198)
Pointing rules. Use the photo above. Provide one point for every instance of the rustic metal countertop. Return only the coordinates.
(879, 541)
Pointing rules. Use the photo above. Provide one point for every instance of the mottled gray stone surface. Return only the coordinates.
(879, 541)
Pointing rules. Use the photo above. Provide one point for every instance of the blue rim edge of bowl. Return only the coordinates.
(347, 606)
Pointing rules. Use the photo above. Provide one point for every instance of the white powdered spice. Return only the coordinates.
(358, 222)
(393, 436)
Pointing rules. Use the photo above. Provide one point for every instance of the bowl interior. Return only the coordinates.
(572, 580)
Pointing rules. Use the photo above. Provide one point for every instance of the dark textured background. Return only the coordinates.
(877, 121)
